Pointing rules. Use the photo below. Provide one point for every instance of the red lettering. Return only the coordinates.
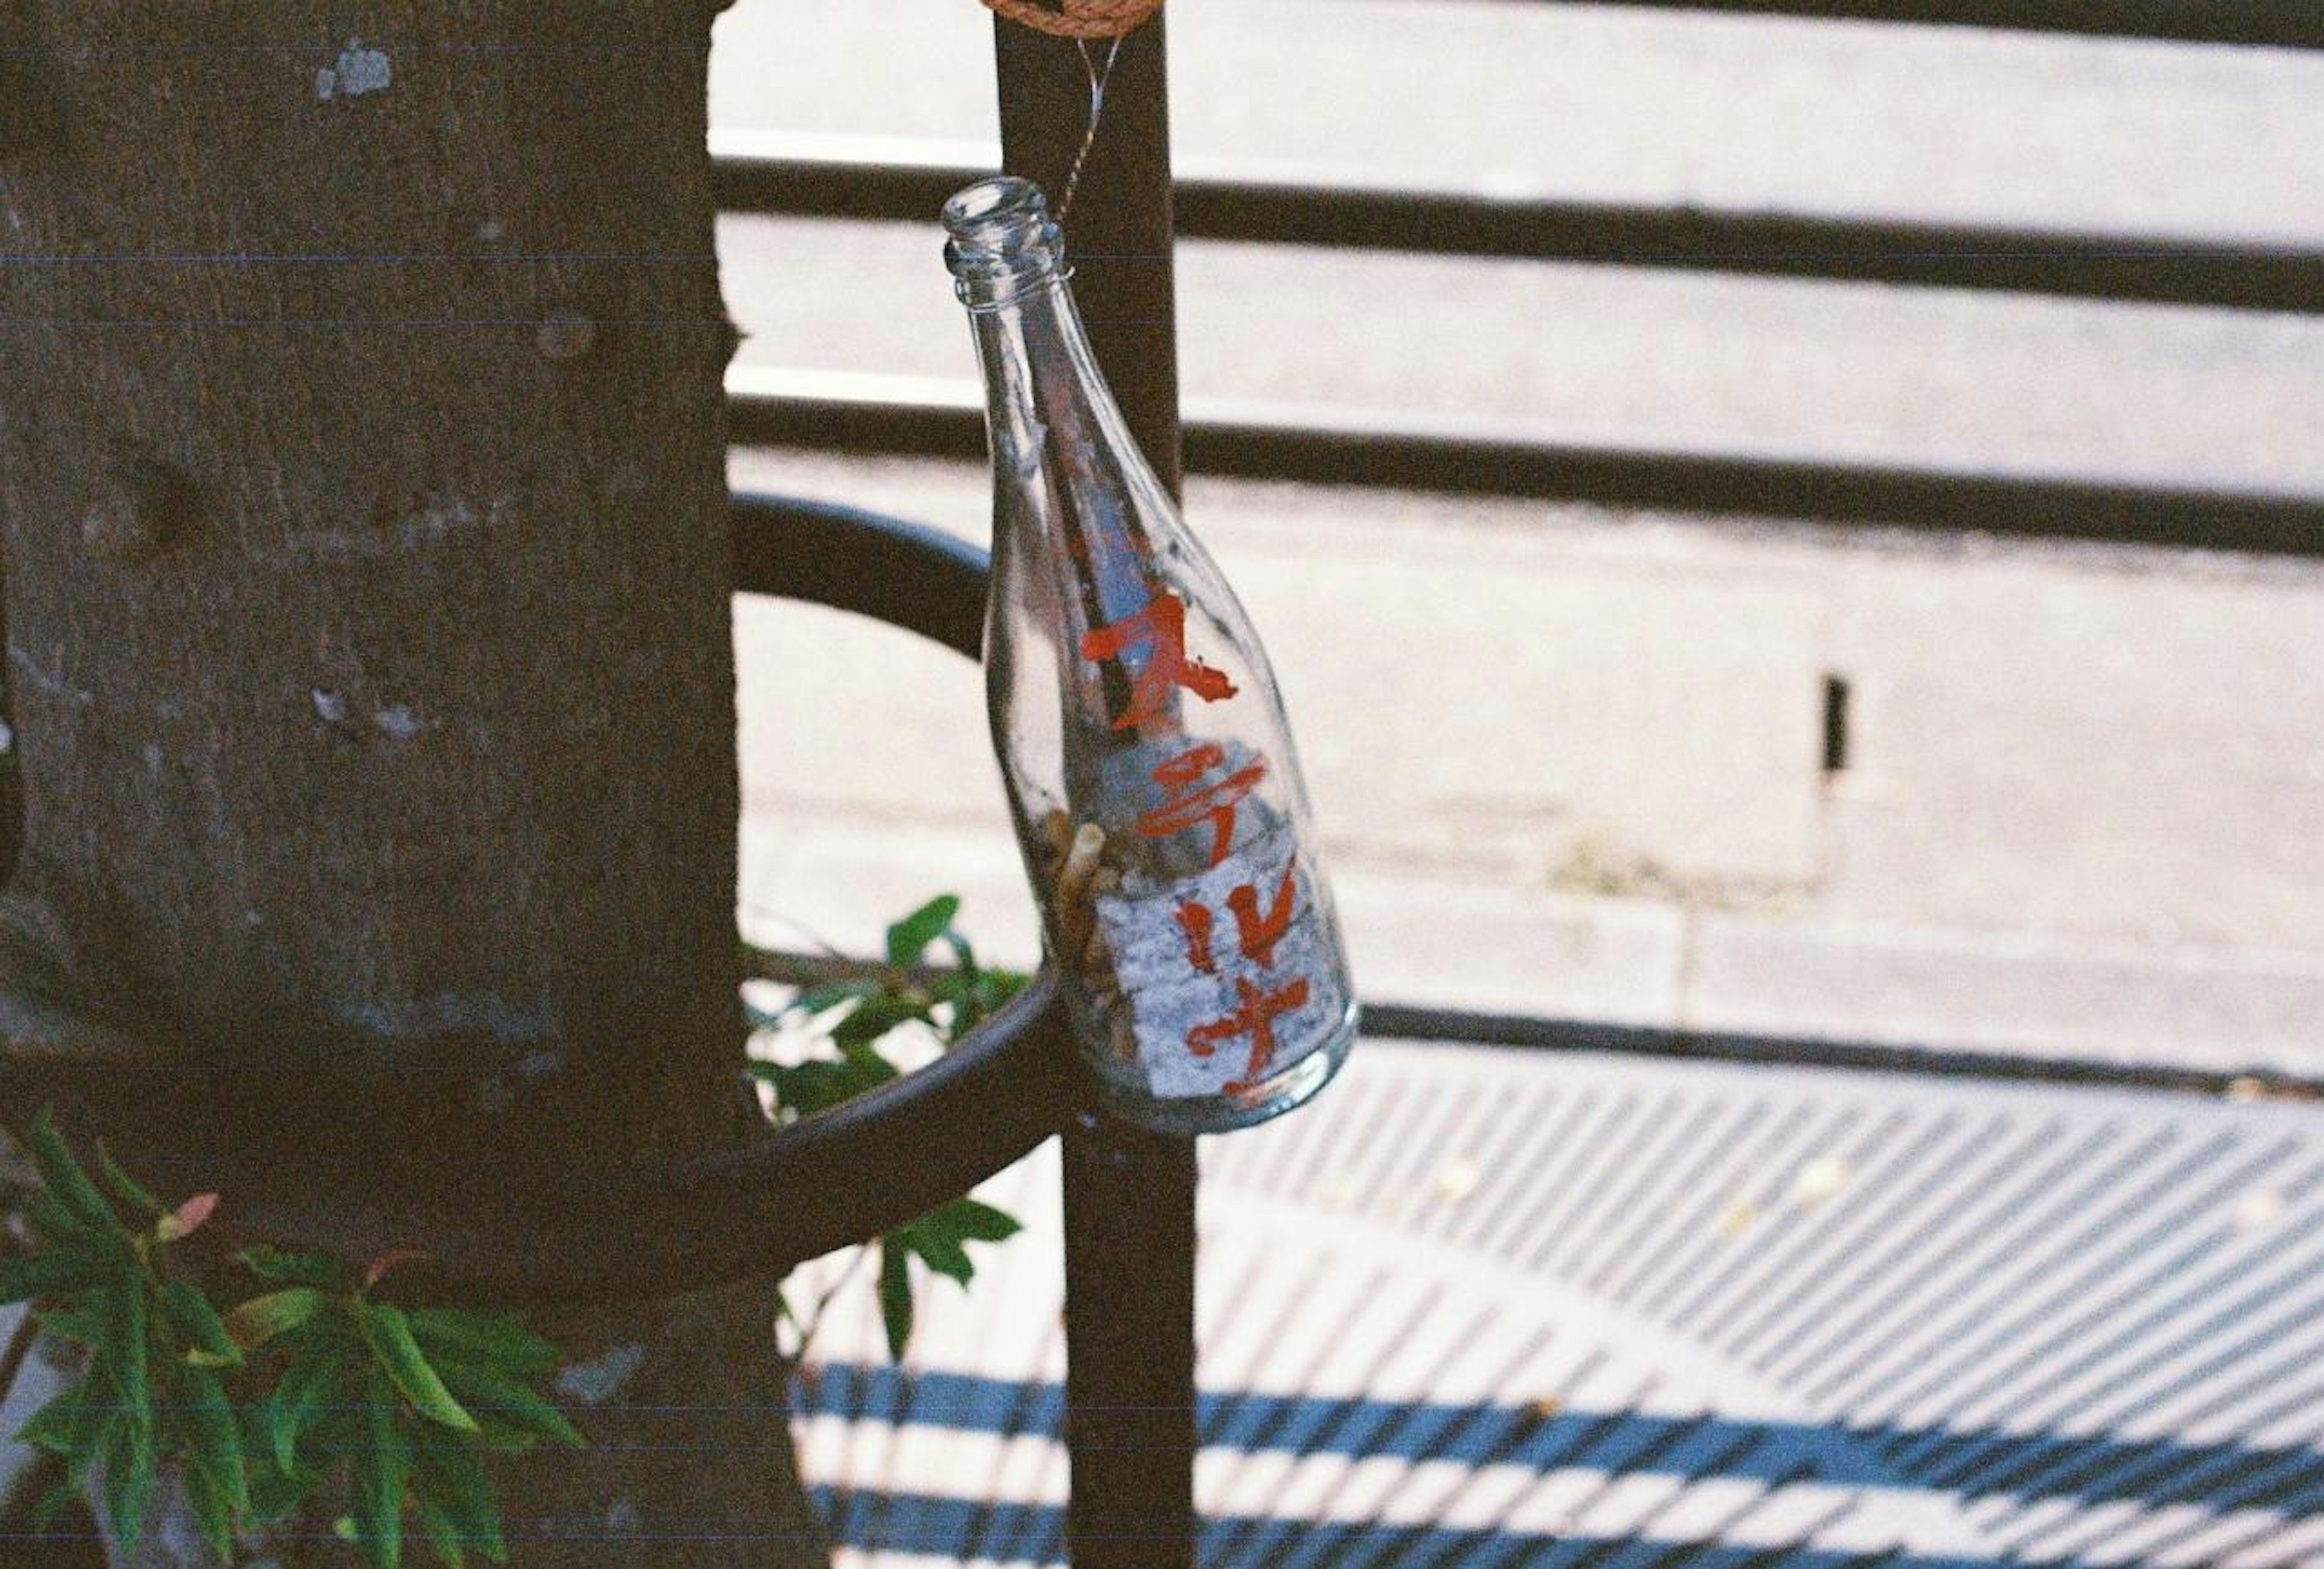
(1255, 934)
(1195, 920)
(1255, 1016)
(1160, 626)
(1185, 807)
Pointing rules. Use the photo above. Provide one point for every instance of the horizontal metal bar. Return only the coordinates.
(1396, 1022)
(1534, 1032)
(850, 413)
(2278, 24)
(907, 181)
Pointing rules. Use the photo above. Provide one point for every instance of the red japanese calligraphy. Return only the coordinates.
(1255, 934)
(1195, 920)
(1185, 806)
(1160, 627)
(1255, 1017)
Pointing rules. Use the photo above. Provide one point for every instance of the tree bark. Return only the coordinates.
(361, 446)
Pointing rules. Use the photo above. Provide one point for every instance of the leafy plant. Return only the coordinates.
(309, 1382)
(854, 1023)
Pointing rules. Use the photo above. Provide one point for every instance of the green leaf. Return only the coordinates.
(937, 1236)
(83, 1321)
(124, 1186)
(58, 1226)
(61, 1175)
(824, 999)
(274, 1494)
(491, 1393)
(67, 1426)
(895, 1298)
(213, 1439)
(189, 1312)
(875, 1016)
(381, 1469)
(456, 1483)
(213, 1512)
(46, 1271)
(129, 1477)
(305, 1389)
(442, 1534)
(940, 1253)
(262, 1318)
(389, 1334)
(498, 1339)
(976, 1222)
(277, 1266)
(909, 937)
(123, 1353)
(820, 1084)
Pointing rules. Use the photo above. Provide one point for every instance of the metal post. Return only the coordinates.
(1130, 1196)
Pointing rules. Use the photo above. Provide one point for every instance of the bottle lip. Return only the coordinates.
(1002, 243)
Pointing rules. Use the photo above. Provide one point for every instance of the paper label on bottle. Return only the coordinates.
(1229, 976)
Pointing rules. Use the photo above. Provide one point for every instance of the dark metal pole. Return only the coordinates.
(1130, 1196)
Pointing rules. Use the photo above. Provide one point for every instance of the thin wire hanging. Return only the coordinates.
(1098, 77)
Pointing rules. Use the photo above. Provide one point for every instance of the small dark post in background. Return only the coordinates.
(1130, 1196)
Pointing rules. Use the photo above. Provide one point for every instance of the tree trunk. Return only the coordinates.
(361, 455)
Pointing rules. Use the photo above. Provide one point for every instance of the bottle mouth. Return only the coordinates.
(1001, 240)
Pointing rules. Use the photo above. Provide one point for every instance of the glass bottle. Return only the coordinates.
(1149, 769)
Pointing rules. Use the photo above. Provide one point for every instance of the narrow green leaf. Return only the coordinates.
(47, 1270)
(489, 1392)
(213, 1512)
(61, 1175)
(107, 1421)
(389, 1335)
(278, 1266)
(381, 1469)
(456, 1483)
(82, 1321)
(126, 1188)
(262, 1318)
(275, 1495)
(129, 1477)
(909, 937)
(443, 1535)
(503, 1437)
(189, 1312)
(498, 1339)
(66, 1425)
(124, 1353)
(305, 1388)
(896, 1298)
(212, 1436)
(59, 1226)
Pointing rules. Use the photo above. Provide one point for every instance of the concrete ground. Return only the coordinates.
(1570, 761)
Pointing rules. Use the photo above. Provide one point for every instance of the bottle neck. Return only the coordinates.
(1044, 400)
(1050, 415)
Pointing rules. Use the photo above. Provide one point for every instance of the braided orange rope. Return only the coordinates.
(1078, 18)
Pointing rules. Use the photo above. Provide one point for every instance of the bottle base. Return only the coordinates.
(1190, 1116)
